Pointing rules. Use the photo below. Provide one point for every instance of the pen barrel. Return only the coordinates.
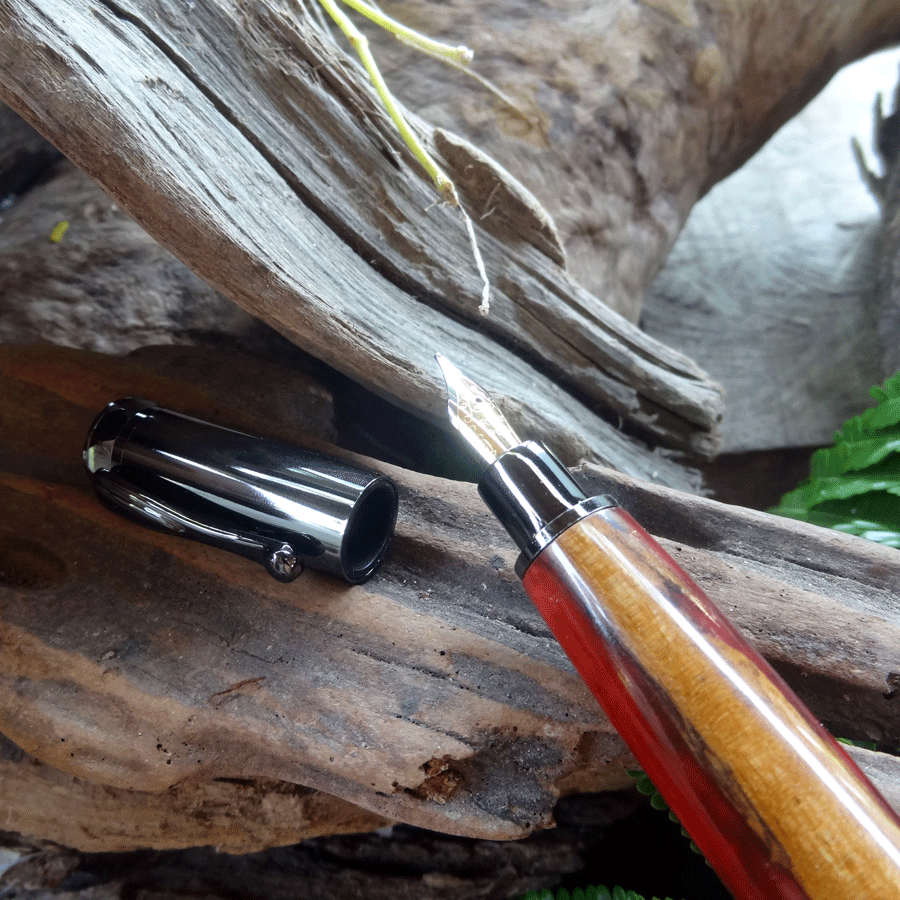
(773, 802)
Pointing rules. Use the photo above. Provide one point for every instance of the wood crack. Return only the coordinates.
(366, 251)
(234, 203)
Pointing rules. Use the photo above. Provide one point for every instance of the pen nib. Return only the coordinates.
(474, 415)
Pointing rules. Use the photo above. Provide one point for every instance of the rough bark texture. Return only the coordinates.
(204, 120)
(630, 110)
(239, 136)
(432, 695)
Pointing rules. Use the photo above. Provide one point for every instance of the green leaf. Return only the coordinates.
(645, 786)
(854, 456)
(821, 490)
(874, 516)
(867, 745)
(598, 892)
(891, 388)
(884, 415)
(591, 892)
(854, 486)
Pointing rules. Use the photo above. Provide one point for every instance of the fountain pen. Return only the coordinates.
(774, 803)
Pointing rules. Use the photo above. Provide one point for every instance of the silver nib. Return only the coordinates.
(474, 415)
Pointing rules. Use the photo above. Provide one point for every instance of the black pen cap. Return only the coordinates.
(268, 500)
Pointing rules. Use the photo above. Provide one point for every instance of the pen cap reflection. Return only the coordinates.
(268, 500)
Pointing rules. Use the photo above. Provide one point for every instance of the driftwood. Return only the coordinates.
(231, 815)
(108, 286)
(628, 112)
(204, 120)
(175, 679)
(433, 695)
(770, 286)
(239, 136)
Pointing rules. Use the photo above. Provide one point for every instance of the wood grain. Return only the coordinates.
(627, 112)
(203, 121)
(200, 150)
(433, 695)
(231, 815)
(776, 806)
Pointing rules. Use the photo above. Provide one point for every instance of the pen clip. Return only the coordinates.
(281, 559)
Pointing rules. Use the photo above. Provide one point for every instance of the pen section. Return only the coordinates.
(774, 803)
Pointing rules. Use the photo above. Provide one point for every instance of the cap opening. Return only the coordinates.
(369, 530)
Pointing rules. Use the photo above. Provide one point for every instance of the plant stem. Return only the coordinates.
(459, 55)
(361, 45)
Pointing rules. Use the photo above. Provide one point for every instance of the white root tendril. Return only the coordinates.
(485, 306)
(457, 57)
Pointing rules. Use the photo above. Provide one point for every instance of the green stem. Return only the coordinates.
(361, 46)
(460, 55)
(457, 56)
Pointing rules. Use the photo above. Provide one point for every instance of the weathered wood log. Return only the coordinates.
(231, 815)
(629, 111)
(204, 121)
(432, 695)
(108, 286)
(689, 94)
(770, 284)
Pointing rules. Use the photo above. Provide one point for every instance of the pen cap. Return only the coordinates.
(269, 500)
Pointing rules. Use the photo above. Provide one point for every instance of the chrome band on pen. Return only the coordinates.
(270, 501)
(532, 493)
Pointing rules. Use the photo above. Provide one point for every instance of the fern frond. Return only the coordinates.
(645, 786)
(854, 486)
